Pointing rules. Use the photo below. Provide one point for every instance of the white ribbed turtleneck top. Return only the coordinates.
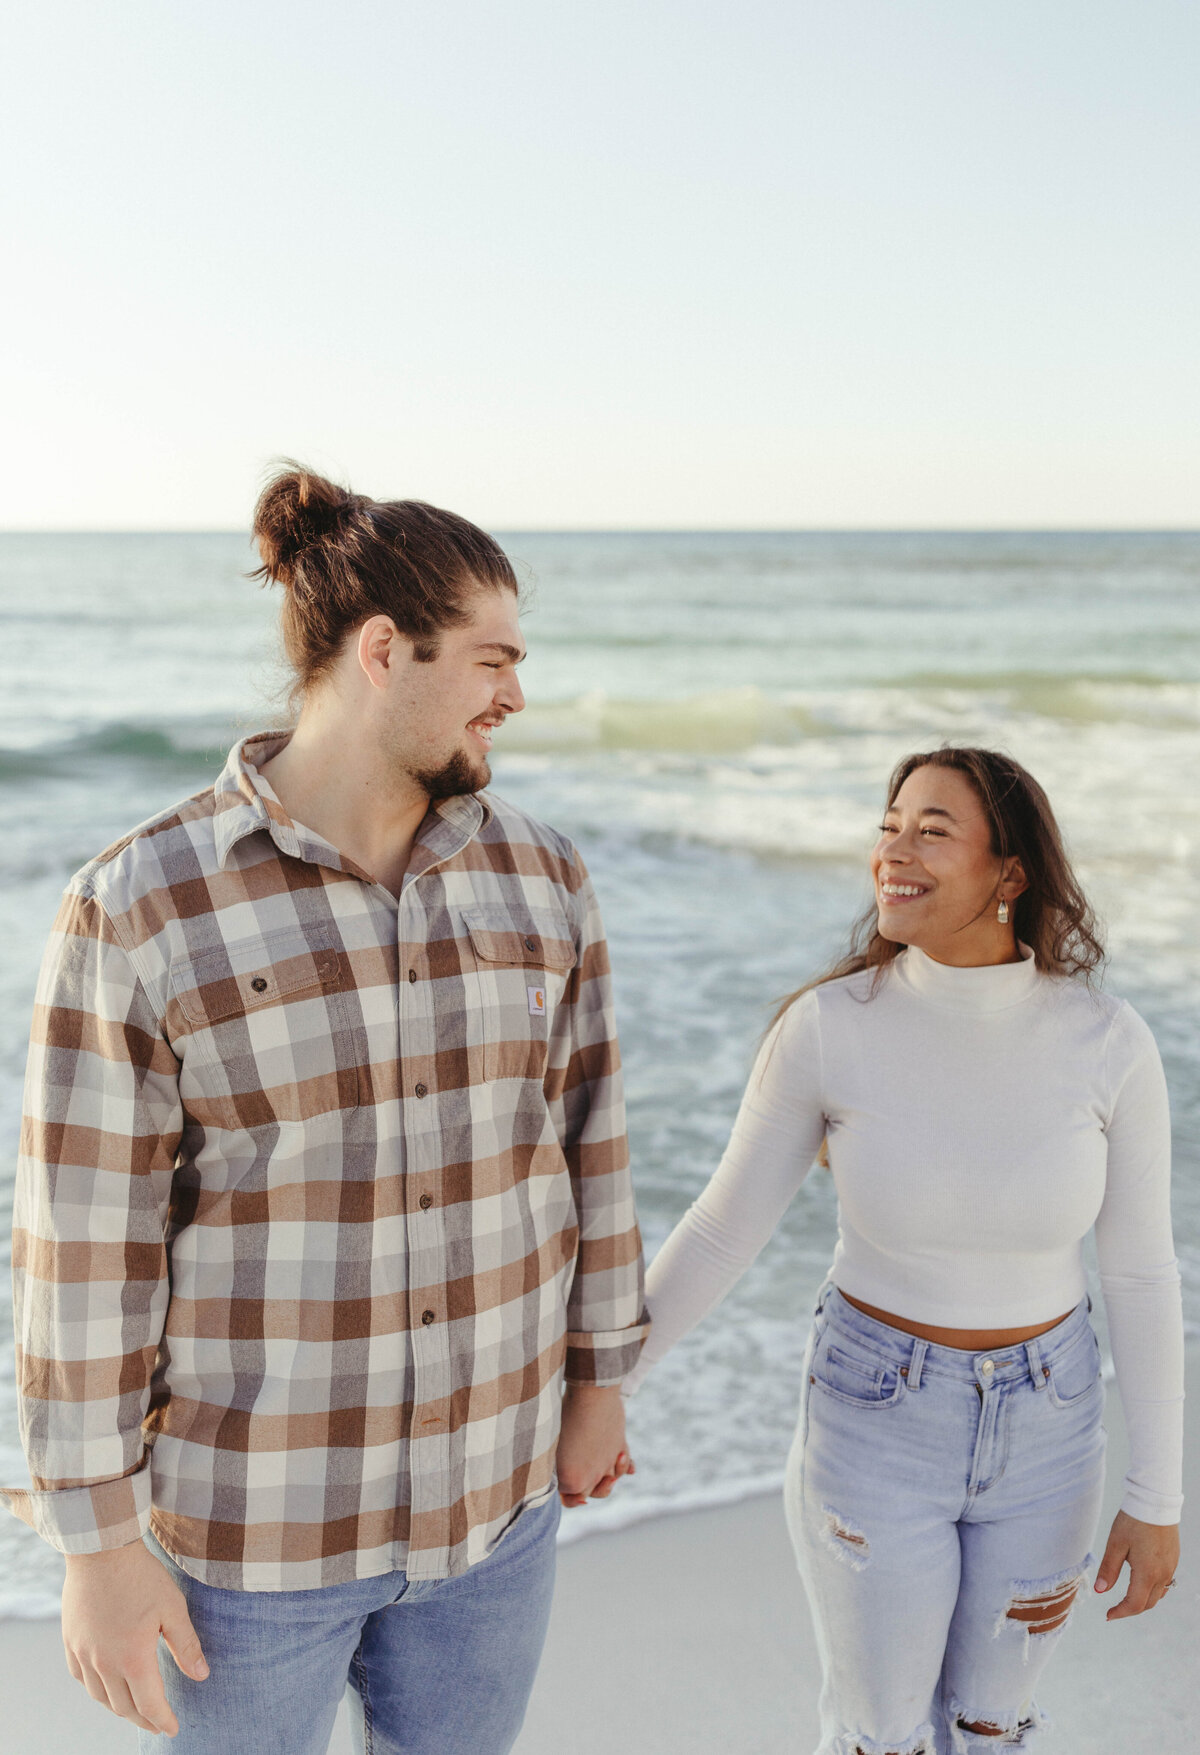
(980, 1123)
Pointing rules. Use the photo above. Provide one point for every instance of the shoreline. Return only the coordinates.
(688, 1633)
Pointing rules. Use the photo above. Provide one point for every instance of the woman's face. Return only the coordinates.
(938, 884)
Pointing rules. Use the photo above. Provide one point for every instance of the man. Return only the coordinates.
(324, 1190)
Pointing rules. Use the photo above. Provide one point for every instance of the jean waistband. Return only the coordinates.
(1026, 1359)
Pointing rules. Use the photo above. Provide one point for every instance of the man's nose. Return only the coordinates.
(510, 695)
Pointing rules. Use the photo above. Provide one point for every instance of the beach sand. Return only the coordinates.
(689, 1634)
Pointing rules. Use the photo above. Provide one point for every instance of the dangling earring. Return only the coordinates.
(1002, 912)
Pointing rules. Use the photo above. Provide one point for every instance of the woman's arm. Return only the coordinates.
(1140, 1280)
(778, 1131)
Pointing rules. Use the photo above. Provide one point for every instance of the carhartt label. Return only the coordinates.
(537, 1001)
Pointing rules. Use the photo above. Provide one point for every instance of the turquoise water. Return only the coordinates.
(712, 717)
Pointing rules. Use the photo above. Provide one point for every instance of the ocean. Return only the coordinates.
(712, 718)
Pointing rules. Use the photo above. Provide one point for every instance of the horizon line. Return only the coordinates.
(666, 530)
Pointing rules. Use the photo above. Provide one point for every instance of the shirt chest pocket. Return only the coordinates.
(522, 962)
(270, 1030)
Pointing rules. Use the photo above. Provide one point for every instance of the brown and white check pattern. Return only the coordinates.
(319, 1192)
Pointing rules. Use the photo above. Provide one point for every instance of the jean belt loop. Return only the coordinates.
(920, 1348)
(1033, 1358)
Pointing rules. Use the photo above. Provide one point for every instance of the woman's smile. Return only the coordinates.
(896, 892)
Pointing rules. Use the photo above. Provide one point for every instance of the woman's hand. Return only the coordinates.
(1152, 1553)
(591, 1448)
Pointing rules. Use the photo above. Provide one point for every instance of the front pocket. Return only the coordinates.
(858, 1378)
(1074, 1375)
(522, 960)
(268, 1030)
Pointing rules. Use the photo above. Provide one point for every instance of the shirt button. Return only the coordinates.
(412, 974)
(426, 1202)
(427, 1316)
(422, 1090)
(259, 984)
(531, 944)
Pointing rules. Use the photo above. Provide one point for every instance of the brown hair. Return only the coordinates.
(343, 557)
(1052, 916)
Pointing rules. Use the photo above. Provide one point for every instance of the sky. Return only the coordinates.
(657, 264)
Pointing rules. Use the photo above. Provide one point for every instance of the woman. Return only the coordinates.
(983, 1109)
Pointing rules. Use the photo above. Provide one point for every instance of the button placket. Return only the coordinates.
(428, 1328)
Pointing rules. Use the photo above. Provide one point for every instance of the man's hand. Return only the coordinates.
(1152, 1550)
(115, 1606)
(591, 1449)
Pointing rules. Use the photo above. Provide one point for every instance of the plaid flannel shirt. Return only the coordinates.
(319, 1192)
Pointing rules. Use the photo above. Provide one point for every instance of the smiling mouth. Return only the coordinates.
(483, 729)
(891, 894)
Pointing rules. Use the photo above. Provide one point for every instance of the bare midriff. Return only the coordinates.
(968, 1340)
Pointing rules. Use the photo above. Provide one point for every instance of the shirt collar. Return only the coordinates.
(246, 805)
(990, 987)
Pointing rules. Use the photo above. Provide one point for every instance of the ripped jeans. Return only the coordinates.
(942, 1505)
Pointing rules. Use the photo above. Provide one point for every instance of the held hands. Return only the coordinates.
(591, 1448)
(1152, 1552)
(115, 1606)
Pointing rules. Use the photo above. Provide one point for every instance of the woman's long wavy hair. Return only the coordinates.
(1053, 916)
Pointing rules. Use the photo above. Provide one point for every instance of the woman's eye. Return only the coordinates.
(891, 829)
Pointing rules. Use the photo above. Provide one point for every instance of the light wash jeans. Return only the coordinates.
(436, 1666)
(942, 1505)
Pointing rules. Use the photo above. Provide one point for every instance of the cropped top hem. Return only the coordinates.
(964, 1314)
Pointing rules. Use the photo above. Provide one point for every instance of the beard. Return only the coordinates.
(454, 778)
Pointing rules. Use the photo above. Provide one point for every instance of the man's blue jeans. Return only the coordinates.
(436, 1666)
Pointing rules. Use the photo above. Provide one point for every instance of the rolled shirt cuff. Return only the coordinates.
(604, 1358)
(86, 1520)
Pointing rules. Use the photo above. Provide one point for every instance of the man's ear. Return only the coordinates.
(381, 649)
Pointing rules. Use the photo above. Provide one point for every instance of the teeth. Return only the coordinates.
(903, 889)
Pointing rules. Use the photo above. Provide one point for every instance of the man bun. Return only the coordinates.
(296, 511)
(343, 558)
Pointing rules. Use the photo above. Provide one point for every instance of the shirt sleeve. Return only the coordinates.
(100, 1134)
(776, 1136)
(606, 1318)
(1139, 1274)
